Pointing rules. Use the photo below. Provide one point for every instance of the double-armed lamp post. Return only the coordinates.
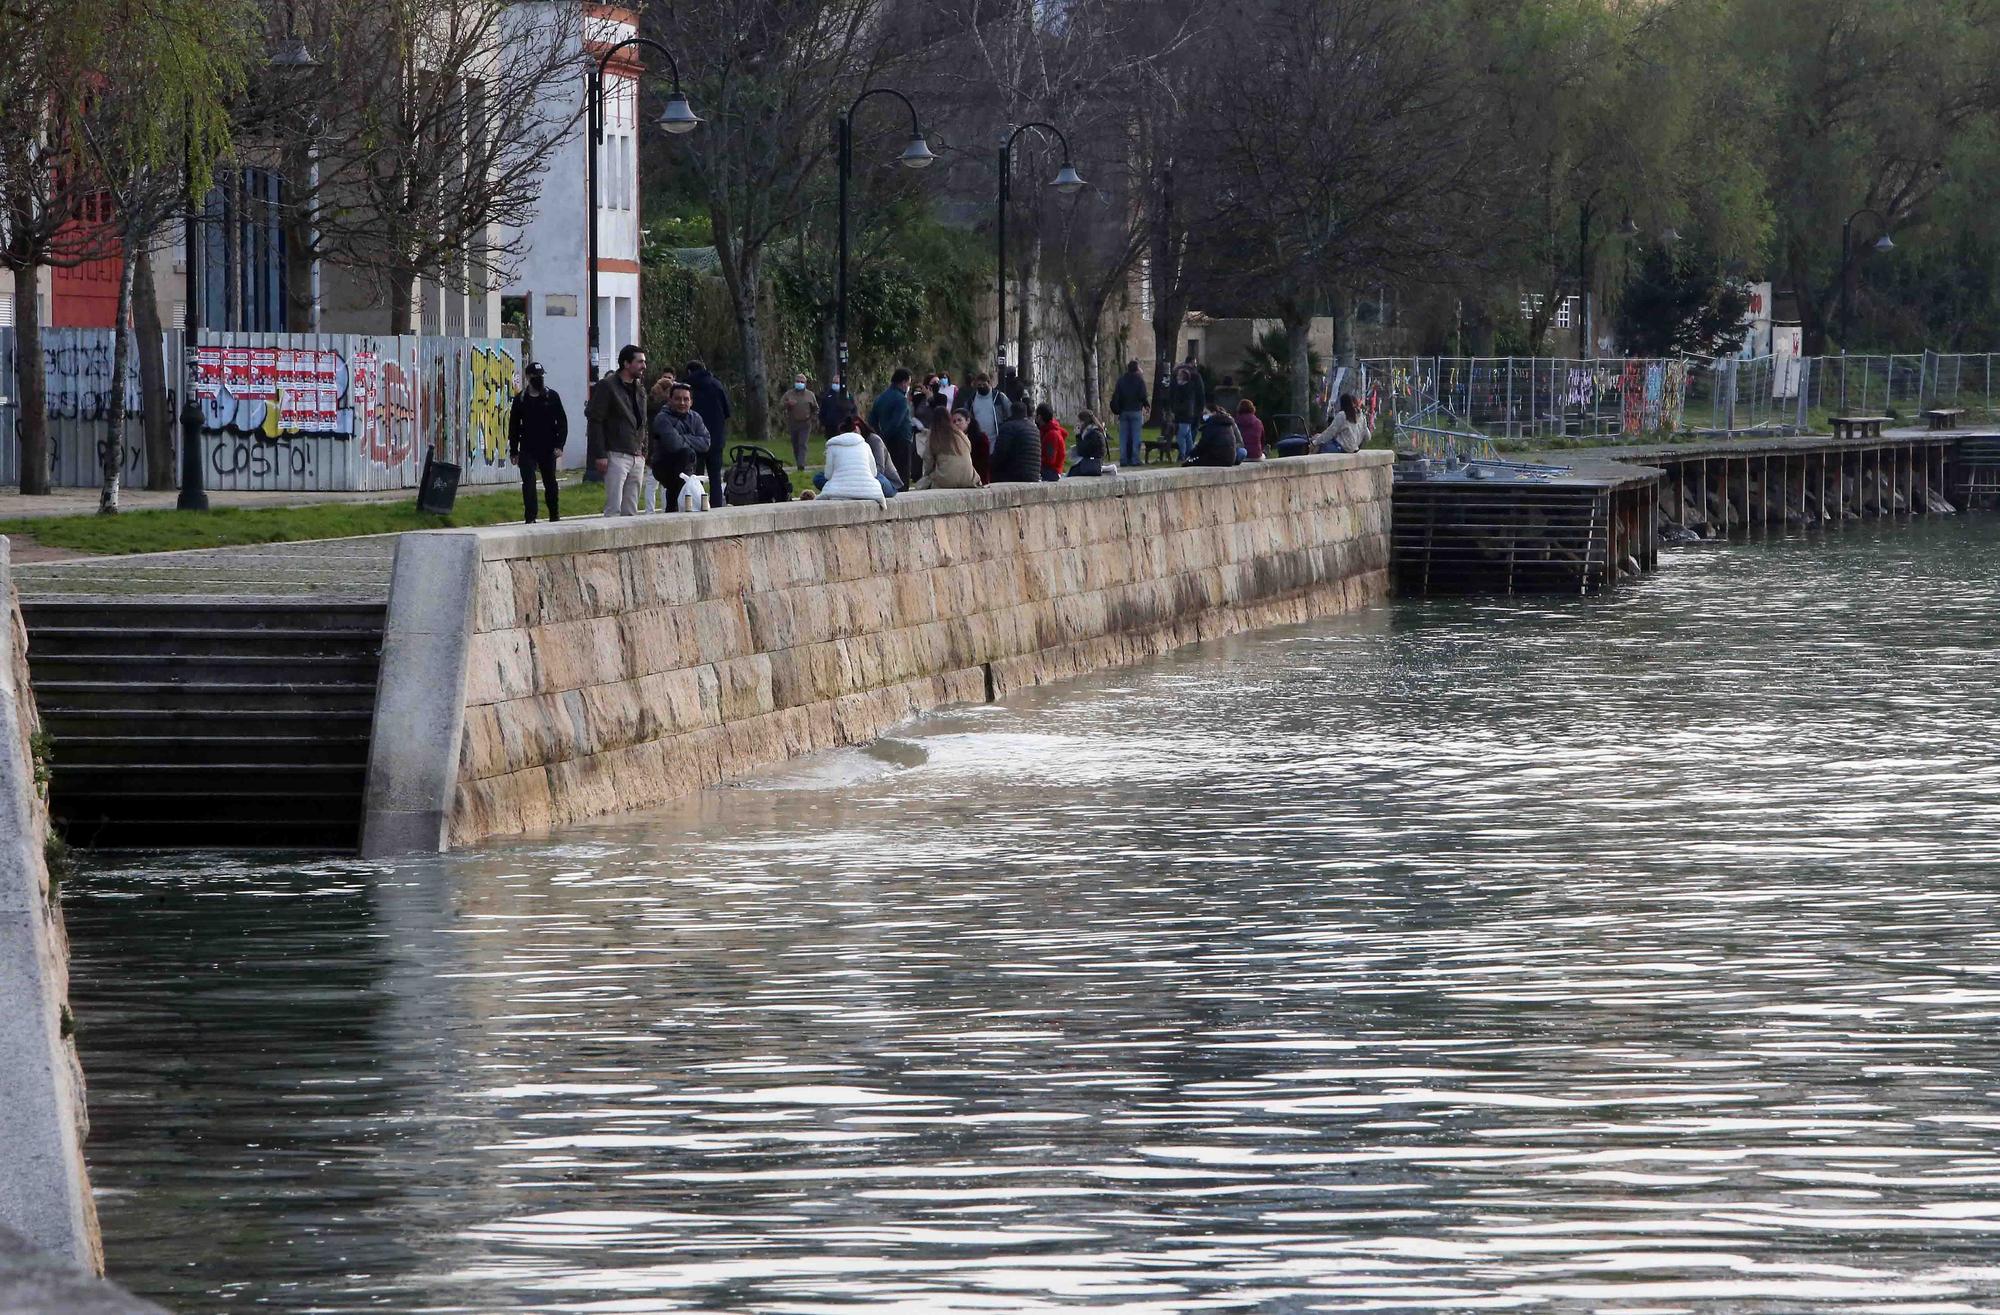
(1066, 181)
(677, 117)
(916, 155)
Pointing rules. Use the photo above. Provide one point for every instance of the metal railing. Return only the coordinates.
(1628, 397)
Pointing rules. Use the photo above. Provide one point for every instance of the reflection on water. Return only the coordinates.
(1634, 955)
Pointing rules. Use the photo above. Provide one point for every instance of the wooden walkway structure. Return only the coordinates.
(1605, 515)
(1514, 532)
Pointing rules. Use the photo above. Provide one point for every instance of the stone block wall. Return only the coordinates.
(44, 1191)
(613, 665)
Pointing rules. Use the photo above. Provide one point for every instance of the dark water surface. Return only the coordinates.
(1632, 955)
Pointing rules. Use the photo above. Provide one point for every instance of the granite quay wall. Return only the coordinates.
(536, 676)
(44, 1192)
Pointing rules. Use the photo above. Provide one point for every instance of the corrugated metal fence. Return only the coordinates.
(285, 412)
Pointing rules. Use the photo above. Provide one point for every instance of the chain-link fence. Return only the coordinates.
(1611, 398)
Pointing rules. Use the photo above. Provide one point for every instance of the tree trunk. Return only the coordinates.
(157, 406)
(746, 292)
(1298, 351)
(1024, 356)
(113, 450)
(33, 381)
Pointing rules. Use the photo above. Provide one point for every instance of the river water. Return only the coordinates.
(1636, 954)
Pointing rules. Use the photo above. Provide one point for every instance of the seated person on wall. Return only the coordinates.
(851, 471)
(1251, 426)
(1217, 442)
(1055, 442)
(951, 454)
(1017, 448)
(1089, 446)
(1346, 432)
(680, 441)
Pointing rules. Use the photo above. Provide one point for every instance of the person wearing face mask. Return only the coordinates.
(800, 409)
(990, 407)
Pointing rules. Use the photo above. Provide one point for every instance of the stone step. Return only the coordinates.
(203, 669)
(204, 723)
(82, 749)
(200, 641)
(204, 614)
(58, 697)
(339, 782)
(297, 828)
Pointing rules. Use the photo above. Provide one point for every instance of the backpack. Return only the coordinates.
(753, 476)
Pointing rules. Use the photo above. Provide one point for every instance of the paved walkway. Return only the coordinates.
(83, 502)
(333, 570)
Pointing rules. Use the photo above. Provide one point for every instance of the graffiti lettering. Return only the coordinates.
(260, 460)
(492, 399)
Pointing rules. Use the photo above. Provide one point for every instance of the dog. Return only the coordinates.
(694, 493)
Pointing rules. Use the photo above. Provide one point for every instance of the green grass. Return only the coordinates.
(228, 527)
(224, 527)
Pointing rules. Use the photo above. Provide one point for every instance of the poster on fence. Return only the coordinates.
(1787, 346)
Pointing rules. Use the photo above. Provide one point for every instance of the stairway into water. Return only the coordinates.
(206, 723)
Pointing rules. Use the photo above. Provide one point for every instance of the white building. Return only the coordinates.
(548, 297)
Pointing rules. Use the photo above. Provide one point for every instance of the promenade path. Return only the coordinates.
(329, 570)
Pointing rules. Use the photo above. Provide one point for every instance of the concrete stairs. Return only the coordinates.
(206, 724)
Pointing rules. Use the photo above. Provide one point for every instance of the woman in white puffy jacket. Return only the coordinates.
(850, 469)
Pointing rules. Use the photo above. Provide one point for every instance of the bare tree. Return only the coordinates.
(1391, 186)
(767, 75)
(433, 122)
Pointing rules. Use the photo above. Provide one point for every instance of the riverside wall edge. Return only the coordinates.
(599, 666)
(44, 1189)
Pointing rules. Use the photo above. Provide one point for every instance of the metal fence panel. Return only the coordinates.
(282, 412)
(77, 366)
(308, 412)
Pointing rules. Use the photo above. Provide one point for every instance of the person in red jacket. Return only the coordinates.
(1055, 443)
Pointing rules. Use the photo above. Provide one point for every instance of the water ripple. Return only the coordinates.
(1632, 955)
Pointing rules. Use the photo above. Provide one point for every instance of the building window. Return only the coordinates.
(1563, 319)
(6, 310)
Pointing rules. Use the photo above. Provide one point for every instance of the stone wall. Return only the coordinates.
(44, 1193)
(613, 665)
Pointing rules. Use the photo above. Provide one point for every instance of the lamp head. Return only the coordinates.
(678, 116)
(917, 155)
(1628, 228)
(1670, 235)
(1067, 180)
(1884, 243)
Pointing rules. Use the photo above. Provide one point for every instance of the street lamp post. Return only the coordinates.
(678, 117)
(1881, 243)
(916, 155)
(192, 496)
(1066, 181)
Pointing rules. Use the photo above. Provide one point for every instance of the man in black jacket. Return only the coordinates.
(1128, 403)
(537, 429)
(711, 403)
(1017, 448)
(680, 441)
(1190, 398)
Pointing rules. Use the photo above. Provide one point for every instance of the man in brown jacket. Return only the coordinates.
(616, 431)
(801, 408)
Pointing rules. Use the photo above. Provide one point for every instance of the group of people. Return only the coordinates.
(936, 435)
(641, 439)
(924, 435)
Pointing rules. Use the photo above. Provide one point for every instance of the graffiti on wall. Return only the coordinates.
(354, 411)
(492, 399)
